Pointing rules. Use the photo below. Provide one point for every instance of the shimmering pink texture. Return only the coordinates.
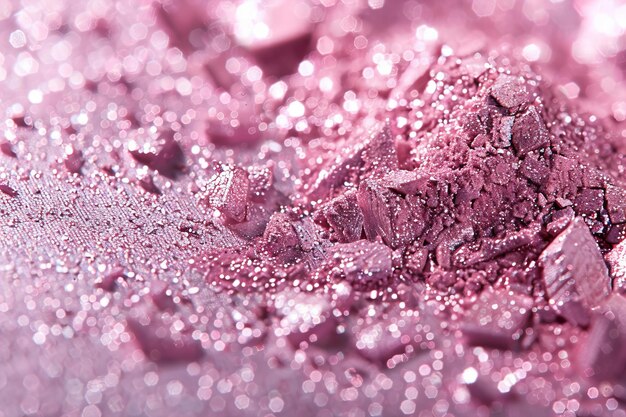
(312, 207)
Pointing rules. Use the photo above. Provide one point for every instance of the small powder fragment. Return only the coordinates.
(345, 217)
(529, 132)
(510, 91)
(7, 149)
(228, 192)
(11, 192)
(74, 162)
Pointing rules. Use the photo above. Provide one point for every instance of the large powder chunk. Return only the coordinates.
(395, 219)
(574, 270)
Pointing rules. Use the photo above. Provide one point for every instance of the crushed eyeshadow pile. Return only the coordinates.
(288, 210)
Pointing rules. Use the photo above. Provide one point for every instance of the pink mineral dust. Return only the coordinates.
(316, 208)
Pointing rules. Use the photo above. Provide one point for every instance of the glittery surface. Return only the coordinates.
(314, 208)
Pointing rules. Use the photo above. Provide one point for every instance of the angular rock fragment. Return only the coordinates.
(7, 149)
(344, 216)
(502, 132)
(405, 182)
(559, 220)
(8, 190)
(373, 157)
(74, 162)
(345, 165)
(510, 91)
(589, 201)
(281, 238)
(534, 170)
(288, 239)
(602, 355)
(395, 219)
(616, 203)
(616, 259)
(363, 264)
(160, 345)
(529, 132)
(574, 270)
(616, 233)
(489, 248)
(309, 242)
(227, 191)
(497, 319)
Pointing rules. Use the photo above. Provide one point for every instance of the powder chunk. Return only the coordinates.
(497, 319)
(529, 132)
(8, 190)
(510, 91)
(616, 259)
(616, 203)
(589, 201)
(363, 264)
(344, 216)
(281, 238)
(168, 161)
(7, 149)
(74, 162)
(574, 270)
(490, 248)
(395, 219)
(405, 182)
(379, 154)
(228, 192)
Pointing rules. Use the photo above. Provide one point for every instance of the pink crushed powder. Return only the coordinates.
(312, 208)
